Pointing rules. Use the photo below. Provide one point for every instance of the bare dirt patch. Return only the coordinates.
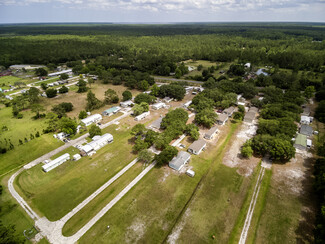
(233, 158)
(135, 232)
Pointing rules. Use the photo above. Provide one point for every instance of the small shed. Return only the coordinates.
(76, 157)
(197, 146)
(190, 173)
(309, 143)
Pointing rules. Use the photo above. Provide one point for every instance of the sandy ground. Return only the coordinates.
(233, 158)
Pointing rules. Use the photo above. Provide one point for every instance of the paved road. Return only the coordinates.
(173, 79)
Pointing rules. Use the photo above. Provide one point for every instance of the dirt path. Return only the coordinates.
(250, 212)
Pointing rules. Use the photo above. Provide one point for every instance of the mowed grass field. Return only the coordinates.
(55, 193)
(6, 81)
(19, 128)
(149, 211)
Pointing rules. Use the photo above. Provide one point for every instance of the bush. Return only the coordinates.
(51, 92)
(94, 130)
(247, 151)
(166, 155)
(63, 89)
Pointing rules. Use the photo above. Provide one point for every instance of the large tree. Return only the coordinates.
(33, 95)
(127, 95)
(92, 101)
(206, 117)
(94, 131)
(111, 96)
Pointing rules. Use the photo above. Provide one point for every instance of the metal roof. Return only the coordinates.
(197, 145)
(301, 140)
(213, 130)
(178, 162)
(306, 130)
(222, 117)
(156, 123)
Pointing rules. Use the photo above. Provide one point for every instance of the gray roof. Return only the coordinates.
(213, 130)
(156, 123)
(229, 110)
(306, 130)
(197, 145)
(306, 111)
(249, 116)
(253, 109)
(178, 161)
(222, 117)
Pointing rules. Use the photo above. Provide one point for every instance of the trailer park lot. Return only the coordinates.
(164, 205)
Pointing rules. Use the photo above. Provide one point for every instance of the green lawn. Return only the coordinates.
(18, 128)
(55, 193)
(147, 213)
(5, 81)
(92, 208)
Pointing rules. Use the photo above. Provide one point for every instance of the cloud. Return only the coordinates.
(173, 5)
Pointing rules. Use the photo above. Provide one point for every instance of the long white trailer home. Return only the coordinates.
(142, 116)
(92, 119)
(56, 162)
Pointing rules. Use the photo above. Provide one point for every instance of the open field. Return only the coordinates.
(149, 211)
(19, 129)
(55, 193)
(79, 99)
(6, 81)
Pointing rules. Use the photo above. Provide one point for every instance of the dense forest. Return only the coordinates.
(156, 49)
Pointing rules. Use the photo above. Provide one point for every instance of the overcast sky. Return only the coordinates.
(27, 11)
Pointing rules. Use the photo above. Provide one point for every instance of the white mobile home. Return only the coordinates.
(178, 162)
(56, 162)
(111, 111)
(125, 104)
(305, 120)
(222, 119)
(95, 118)
(210, 134)
(158, 106)
(97, 143)
(142, 116)
(187, 104)
(60, 72)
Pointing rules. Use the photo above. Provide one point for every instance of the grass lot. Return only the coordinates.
(11, 212)
(5, 81)
(55, 193)
(19, 128)
(279, 220)
(91, 209)
(237, 229)
(27, 152)
(148, 211)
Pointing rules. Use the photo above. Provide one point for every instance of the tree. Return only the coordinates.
(193, 131)
(94, 130)
(52, 122)
(154, 90)
(82, 86)
(19, 84)
(37, 108)
(309, 91)
(82, 114)
(144, 85)
(8, 235)
(63, 89)
(67, 125)
(51, 92)
(64, 76)
(111, 96)
(206, 117)
(44, 86)
(140, 108)
(320, 112)
(92, 102)
(146, 156)
(166, 155)
(140, 145)
(33, 95)
(143, 97)
(91, 81)
(41, 72)
(247, 151)
(177, 116)
(173, 90)
(138, 129)
(127, 95)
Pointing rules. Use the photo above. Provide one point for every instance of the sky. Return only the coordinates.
(161, 11)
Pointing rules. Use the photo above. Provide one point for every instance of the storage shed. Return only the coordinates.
(178, 162)
(190, 173)
(76, 157)
(95, 118)
(56, 162)
(197, 146)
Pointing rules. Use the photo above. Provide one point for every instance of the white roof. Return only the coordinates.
(158, 104)
(187, 103)
(87, 148)
(128, 102)
(305, 118)
(60, 72)
(309, 142)
(91, 118)
(49, 165)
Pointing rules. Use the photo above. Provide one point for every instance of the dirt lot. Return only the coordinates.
(233, 158)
